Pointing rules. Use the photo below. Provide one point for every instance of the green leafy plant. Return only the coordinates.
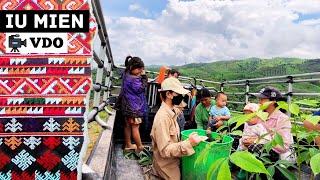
(257, 164)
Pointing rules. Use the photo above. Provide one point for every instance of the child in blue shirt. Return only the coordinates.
(218, 113)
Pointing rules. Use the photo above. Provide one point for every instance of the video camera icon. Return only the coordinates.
(15, 43)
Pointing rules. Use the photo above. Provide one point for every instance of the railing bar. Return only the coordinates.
(306, 80)
(268, 82)
(275, 77)
(234, 84)
(236, 102)
(310, 109)
(213, 82)
(306, 94)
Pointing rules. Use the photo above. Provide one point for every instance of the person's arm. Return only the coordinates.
(311, 127)
(223, 118)
(198, 120)
(227, 115)
(317, 141)
(166, 147)
(139, 85)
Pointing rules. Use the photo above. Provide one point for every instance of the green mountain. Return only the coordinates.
(253, 68)
(248, 68)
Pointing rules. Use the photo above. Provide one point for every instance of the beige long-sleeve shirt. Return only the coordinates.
(167, 147)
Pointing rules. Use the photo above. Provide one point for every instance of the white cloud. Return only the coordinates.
(136, 7)
(311, 22)
(305, 6)
(207, 30)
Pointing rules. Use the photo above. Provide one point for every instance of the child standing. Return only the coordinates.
(218, 113)
(253, 129)
(133, 101)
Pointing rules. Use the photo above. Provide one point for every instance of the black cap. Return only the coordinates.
(203, 93)
(269, 93)
(173, 71)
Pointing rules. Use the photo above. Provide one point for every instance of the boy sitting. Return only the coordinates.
(218, 113)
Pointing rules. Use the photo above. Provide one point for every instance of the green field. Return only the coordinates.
(252, 68)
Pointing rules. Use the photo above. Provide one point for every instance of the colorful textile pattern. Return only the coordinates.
(43, 103)
(78, 43)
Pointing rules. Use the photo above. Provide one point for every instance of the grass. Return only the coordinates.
(94, 130)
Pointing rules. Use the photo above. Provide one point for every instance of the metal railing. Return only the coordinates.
(97, 166)
(105, 66)
(288, 80)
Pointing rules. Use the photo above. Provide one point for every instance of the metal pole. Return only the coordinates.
(221, 86)
(290, 88)
(154, 94)
(247, 91)
(275, 77)
(97, 94)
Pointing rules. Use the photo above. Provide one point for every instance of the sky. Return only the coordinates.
(176, 32)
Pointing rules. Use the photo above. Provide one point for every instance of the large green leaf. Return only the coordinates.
(278, 139)
(237, 133)
(302, 135)
(283, 105)
(248, 162)
(289, 175)
(241, 119)
(302, 157)
(263, 115)
(265, 105)
(202, 156)
(268, 146)
(271, 171)
(214, 168)
(294, 109)
(265, 160)
(313, 151)
(224, 171)
(220, 128)
(307, 102)
(315, 163)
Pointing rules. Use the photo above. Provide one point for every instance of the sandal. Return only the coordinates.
(130, 149)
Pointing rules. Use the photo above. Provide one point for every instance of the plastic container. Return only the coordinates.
(217, 151)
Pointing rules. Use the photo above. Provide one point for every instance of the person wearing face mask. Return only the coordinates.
(165, 133)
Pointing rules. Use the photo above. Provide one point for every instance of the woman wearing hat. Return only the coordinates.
(167, 147)
(277, 122)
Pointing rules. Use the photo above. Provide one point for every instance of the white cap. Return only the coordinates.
(173, 84)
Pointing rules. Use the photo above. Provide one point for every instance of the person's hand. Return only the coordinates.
(194, 139)
(143, 72)
(219, 124)
(248, 141)
(217, 118)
